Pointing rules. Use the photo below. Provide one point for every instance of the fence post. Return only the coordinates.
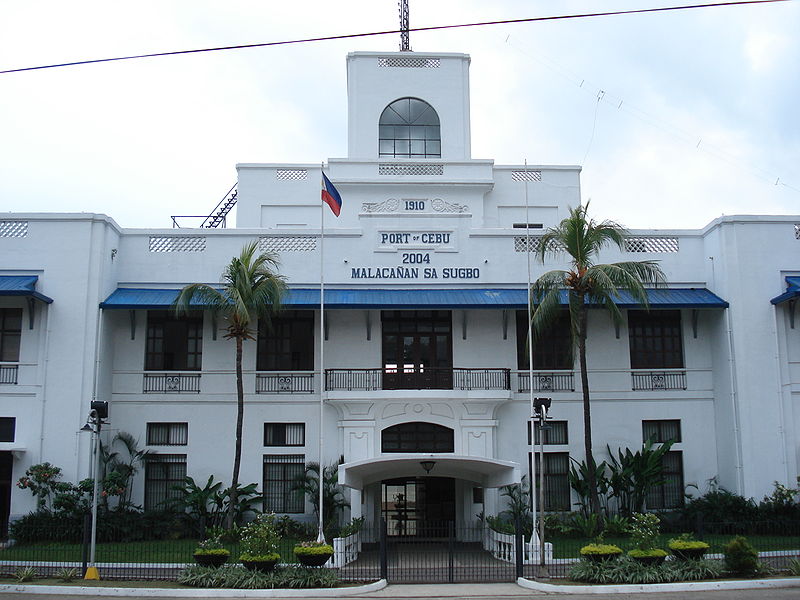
(698, 525)
(383, 551)
(518, 552)
(451, 542)
(87, 535)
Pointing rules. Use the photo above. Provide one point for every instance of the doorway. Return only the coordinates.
(417, 349)
(418, 506)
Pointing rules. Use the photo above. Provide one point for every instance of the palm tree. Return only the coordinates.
(251, 289)
(586, 283)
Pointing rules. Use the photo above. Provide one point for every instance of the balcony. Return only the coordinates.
(554, 381)
(285, 383)
(171, 383)
(9, 374)
(417, 379)
(658, 380)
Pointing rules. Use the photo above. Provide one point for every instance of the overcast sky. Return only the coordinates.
(676, 118)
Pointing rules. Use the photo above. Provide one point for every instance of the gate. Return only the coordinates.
(444, 552)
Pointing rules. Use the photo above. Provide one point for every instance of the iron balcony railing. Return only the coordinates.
(419, 378)
(171, 383)
(285, 383)
(552, 381)
(658, 380)
(9, 374)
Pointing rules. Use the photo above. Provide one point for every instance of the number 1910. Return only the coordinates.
(415, 204)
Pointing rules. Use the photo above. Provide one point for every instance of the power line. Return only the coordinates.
(394, 31)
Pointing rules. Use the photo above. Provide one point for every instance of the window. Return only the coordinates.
(10, 333)
(552, 351)
(670, 494)
(161, 473)
(556, 480)
(477, 495)
(286, 343)
(167, 434)
(280, 478)
(555, 433)
(409, 128)
(174, 343)
(661, 431)
(284, 434)
(417, 437)
(8, 427)
(655, 339)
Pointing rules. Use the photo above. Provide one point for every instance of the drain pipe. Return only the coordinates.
(737, 424)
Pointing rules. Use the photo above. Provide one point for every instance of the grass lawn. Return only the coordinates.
(159, 551)
(570, 547)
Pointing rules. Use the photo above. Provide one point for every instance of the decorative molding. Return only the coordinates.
(440, 205)
(14, 229)
(390, 205)
(287, 243)
(408, 62)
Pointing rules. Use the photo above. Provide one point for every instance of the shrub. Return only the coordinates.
(794, 566)
(741, 558)
(232, 576)
(644, 530)
(260, 539)
(608, 550)
(25, 574)
(66, 574)
(720, 506)
(312, 549)
(354, 526)
(650, 553)
(627, 570)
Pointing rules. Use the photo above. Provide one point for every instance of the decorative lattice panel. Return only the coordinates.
(177, 243)
(287, 243)
(521, 244)
(412, 169)
(291, 174)
(408, 62)
(660, 245)
(797, 231)
(526, 175)
(13, 228)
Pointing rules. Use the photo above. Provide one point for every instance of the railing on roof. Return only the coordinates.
(217, 217)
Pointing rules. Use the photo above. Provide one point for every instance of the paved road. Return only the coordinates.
(501, 590)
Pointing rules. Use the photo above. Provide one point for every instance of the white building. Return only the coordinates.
(425, 277)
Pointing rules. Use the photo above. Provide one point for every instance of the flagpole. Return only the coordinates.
(321, 532)
(531, 426)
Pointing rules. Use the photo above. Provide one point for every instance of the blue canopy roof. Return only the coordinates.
(21, 285)
(133, 298)
(792, 291)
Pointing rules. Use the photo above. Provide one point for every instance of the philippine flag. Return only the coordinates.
(330, 195)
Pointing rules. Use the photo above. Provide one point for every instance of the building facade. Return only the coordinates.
(425, 386)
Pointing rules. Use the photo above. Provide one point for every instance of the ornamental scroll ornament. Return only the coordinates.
(440, 205)
(390, 205)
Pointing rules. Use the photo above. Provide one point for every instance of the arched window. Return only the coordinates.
(417, 437)
(409, 128)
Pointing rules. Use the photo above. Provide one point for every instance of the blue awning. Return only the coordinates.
(792, 291)
(298, 298)
(21, 285)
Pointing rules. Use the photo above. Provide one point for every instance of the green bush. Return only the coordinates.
(312, 549)
(649, 553)
(741, 558)
(627, 570)
(260, 539)
(236, 577)
(720, 506)
(601, 550)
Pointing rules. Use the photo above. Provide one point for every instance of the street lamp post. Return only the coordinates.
(99, 411)
(540, 408)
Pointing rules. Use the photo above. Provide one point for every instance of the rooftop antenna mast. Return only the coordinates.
(405, 44)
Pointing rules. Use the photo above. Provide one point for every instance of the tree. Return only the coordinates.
(586, 283)
(333, 500)
(251, 289)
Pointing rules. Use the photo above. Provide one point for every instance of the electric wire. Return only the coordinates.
(391, 32)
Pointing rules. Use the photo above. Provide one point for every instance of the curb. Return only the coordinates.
(688, 586)
(63, 590)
